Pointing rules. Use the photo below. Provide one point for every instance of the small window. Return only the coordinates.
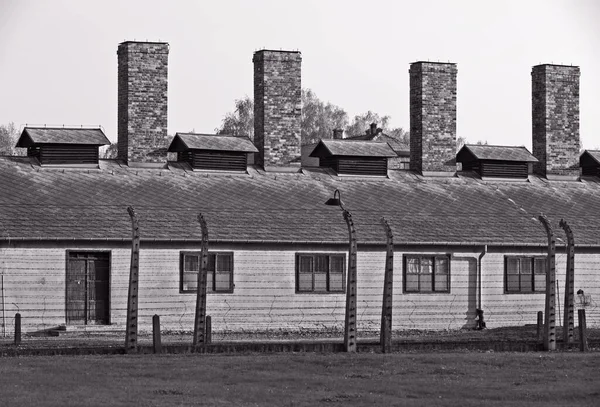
(219, 274)
(320, 273)
(524, 274)
(426, 274)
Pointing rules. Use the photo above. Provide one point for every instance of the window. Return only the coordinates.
(219, 275)
(524, 274)
(426, 274)
(320, 273)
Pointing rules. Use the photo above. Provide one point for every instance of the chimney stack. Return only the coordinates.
(373, 129)
(142, 102)
(555, 120)
(277, 109)
(338, 134)
(433, 118)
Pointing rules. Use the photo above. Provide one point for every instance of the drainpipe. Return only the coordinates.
(480, 322)
(3, 309)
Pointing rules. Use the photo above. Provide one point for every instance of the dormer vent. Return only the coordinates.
(349, 157)
(60, 146)
(589, 162)
(496, 161)
(212, 152)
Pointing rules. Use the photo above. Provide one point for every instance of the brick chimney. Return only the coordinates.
(338, 134)
(555, 120)
(277, 109)
(142, 102)
(433, 118)
(373, 129)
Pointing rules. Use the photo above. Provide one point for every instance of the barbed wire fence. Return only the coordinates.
(265, 299)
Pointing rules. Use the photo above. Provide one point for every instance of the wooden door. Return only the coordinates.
(88, 288)
(76, 288)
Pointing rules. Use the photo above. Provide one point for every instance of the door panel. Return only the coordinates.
(76, 288)
(88, 288)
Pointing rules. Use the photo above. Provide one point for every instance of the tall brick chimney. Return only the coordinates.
(433, 118)
(277, 109)
(142, 102)
(555, 120)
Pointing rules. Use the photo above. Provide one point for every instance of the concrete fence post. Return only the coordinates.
(569, 308)
(583, 344)
(156, 342)
(550, 312)
(131, 328)
(199, 338)
(17, 329)
(388, 288)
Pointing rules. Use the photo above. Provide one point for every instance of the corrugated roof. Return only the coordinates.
(46, 135)
(355, 148)
(500, 153)
(211, 142)
(264, 207)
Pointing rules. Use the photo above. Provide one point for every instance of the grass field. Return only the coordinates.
(304, 379)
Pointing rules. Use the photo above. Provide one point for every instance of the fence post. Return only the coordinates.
(156, 334)
(199, 338)
(132, 300)
(17, 329)
(388, 288)
(350, 319)
(208, 329)
(550, 312)
(583, 345)
(540, 325)
(569, 308)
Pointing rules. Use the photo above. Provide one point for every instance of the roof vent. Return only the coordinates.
(496, 161)
(63, 145)
(212, 152)
(589, 162)
(349, 157)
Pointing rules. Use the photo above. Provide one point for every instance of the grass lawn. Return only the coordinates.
(304, 379)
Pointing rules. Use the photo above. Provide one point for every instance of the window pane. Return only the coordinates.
(191, 262)
(190, 281)
(426, 283)
(224, 262)
(413, 265)
(441, 265)
(337, 264)
(540, 282)
(305, 264)
(223, 281)
(540, 265)
(412, 282)
(321, 264)
(426, 266)
(211, 262)
(441, 282)
(526, 282)
(526, 266)
(305, 282)
(209, 282)
(336, 282)
(512, 282)
(512, 265)
(320, 281)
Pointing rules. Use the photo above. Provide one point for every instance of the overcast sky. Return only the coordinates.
(58, 62)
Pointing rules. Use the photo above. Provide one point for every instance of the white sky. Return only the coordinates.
(58, 62)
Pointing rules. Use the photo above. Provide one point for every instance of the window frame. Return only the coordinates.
(432, 257)
(532, 259)
(313, 256)
(209, 290)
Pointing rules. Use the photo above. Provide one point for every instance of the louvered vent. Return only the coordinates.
(214, 160)
(356, 165)
(64, 154)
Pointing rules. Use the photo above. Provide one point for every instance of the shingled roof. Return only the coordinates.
(354, 148)
(499, 153)
(47, 135)
(39, 204)
(187, 141)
